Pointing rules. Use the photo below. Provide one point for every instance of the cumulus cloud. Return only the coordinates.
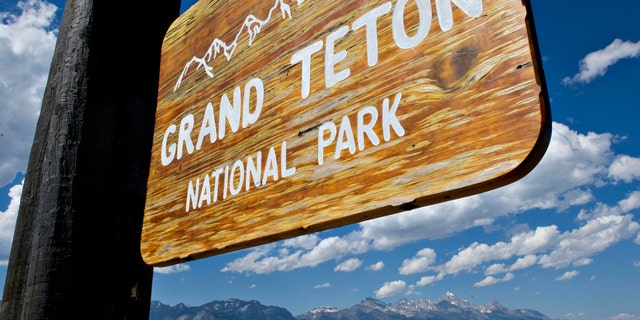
(376, 266)
(426, 280)
(27, 40)
(420, 263)
(625, 316)
(391, 289)
(306, 242)
(625, 168)
(8, 223)
(177, 268)
(348, 265)
(595, 64)
(322, 286)
(520, 245)
(568, 275)
(545, 246)
(521, 263)
(490, 280)
(573, 164)
(582, 262)
(595, 236)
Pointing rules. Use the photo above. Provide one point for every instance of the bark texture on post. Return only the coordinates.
(76, 249)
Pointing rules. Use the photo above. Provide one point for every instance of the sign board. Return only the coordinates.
(278, 118)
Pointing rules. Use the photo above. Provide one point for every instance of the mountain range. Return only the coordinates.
(447, 307)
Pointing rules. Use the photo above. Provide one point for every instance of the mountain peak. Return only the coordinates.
(373, 303)
(447, 307)
(327, 309)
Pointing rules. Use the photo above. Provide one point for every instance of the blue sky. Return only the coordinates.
(564, 240)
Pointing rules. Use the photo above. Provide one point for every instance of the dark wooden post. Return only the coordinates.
(76, 249)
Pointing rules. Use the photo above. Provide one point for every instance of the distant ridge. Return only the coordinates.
(447, 307)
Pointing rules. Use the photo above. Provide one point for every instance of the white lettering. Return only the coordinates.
(332, 58)
(284, 171)
(271, 167)
(165, 158)
(184, 135)
(249, 117)
(472, 8)
(205, 192)
(400, 36)
(216, 174)
(304, 56)
(389, 118)
(229, 113)
(343, 137)
(368, 20)
(208, 127)
(254, 170)
(226, 182)
(239, 167)
(192, 194)
(367, 127)
(322, 142)
(239, 176)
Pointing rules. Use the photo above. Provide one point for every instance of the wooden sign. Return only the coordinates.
(279, 118)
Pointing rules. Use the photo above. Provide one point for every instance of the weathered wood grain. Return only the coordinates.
(472, 107)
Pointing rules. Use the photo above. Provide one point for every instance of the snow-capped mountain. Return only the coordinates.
(447, 307)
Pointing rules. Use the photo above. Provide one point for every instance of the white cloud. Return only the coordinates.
(522, 244)
(258, 261)
(490, 280)
(348, 265)
(573, 164)
(545, 246)
(322, 286)
(602, 210)
(8, 223)
(390, 289)
(568, 275)
(429, 280)
(596, 63)
(625, 316)
(26, 48)
(632, 202)
(524, 262)
(521, 263)
(495, 269)
(376, 266)
(575, 315)
(420, 263)
(177, 268)
(306, 242)
(625, 168)
(582, 262)
(595, 236)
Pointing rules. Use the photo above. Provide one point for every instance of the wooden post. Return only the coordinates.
(76, 249)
